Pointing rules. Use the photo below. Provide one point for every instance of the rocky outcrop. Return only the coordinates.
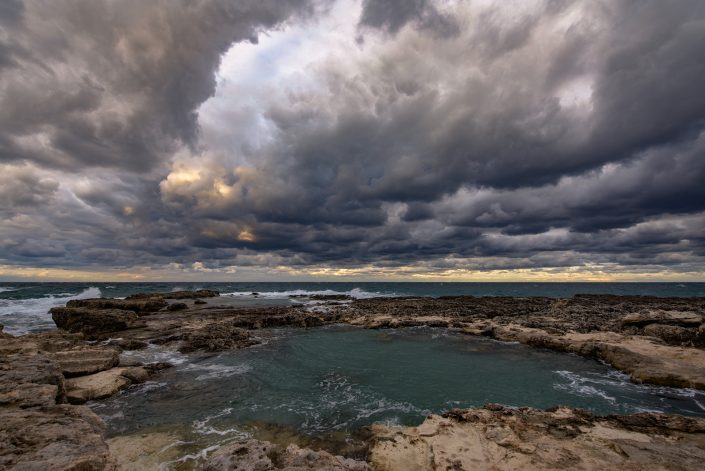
(104, 384)
(30, 381)
(59, 437)
(94, 322)
(502, 438)
(217, 337)
(85, 361)
(140, 306)
(255, 455)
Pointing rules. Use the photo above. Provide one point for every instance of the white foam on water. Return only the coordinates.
(216, 371)
(156, 354)
(22, 316)
(356, 293)
(577, 385)
(4, 289)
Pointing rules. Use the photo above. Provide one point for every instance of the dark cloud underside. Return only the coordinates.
(457, 135)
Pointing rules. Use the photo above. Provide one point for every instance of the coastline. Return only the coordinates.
(654, 340)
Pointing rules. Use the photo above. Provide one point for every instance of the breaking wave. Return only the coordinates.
(356, 293)
(23, 316)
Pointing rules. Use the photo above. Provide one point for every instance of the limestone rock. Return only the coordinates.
(103, 384)
(139, 306)
(30, 381)
(502, 438)
(217, 337)
(94, 322)
(60, 437)
(681, 318)
(85, 361)
(255, 455)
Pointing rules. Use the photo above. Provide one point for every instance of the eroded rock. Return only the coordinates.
(103, 384)
(94, 322)
(61, 437)
(255, 455)
(85, 361)
(502, 438)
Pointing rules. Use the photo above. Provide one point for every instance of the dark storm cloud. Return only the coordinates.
(115, 83)
(458, 136)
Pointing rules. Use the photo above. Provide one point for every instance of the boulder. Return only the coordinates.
(255, 455)
(85, 361)
(93, 322)
(104, 384)
(60, 437)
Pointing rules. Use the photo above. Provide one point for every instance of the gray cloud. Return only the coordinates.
(459, 136)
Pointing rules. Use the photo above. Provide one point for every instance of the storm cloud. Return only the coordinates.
(432, 138)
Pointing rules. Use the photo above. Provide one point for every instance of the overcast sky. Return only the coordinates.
(368, 139)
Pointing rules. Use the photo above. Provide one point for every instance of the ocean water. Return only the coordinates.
(335, 380)
(24, 306)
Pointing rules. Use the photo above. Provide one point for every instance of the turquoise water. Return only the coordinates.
(338, 379)
(24, 306)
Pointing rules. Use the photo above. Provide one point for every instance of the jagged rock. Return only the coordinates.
(85, 361)
(30, 381)
(255, 455)
(94, 322)
(216, 337)
(501, 438)
(681, 318)
(139, 306)
(672, 334)
(201, 293)
(60, 437)
(103, 384)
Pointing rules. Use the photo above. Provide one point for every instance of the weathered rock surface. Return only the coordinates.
(255, 455)
(60, 437)
(104, 384)
(94, 322)
(139, 306)
(85, 361)
(217, 337)
(30, 381)
(501, 438)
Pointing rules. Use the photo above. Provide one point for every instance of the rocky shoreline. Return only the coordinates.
(44, 379)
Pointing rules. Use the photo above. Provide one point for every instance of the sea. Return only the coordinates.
(321, 387)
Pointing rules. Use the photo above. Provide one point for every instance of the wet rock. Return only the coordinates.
(177, 307)
(140, 306)
(217, 337)
(255, 455)
(104, 384)
(93, 322)
(128, 344)
(85, 361)
(60, 437)
(30, 381)
(199, 301)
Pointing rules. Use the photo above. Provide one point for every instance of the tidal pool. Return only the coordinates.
(335, 380)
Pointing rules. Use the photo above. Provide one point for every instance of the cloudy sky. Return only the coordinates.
(338, 139)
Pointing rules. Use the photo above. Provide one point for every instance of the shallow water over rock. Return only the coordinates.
(321, 384)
